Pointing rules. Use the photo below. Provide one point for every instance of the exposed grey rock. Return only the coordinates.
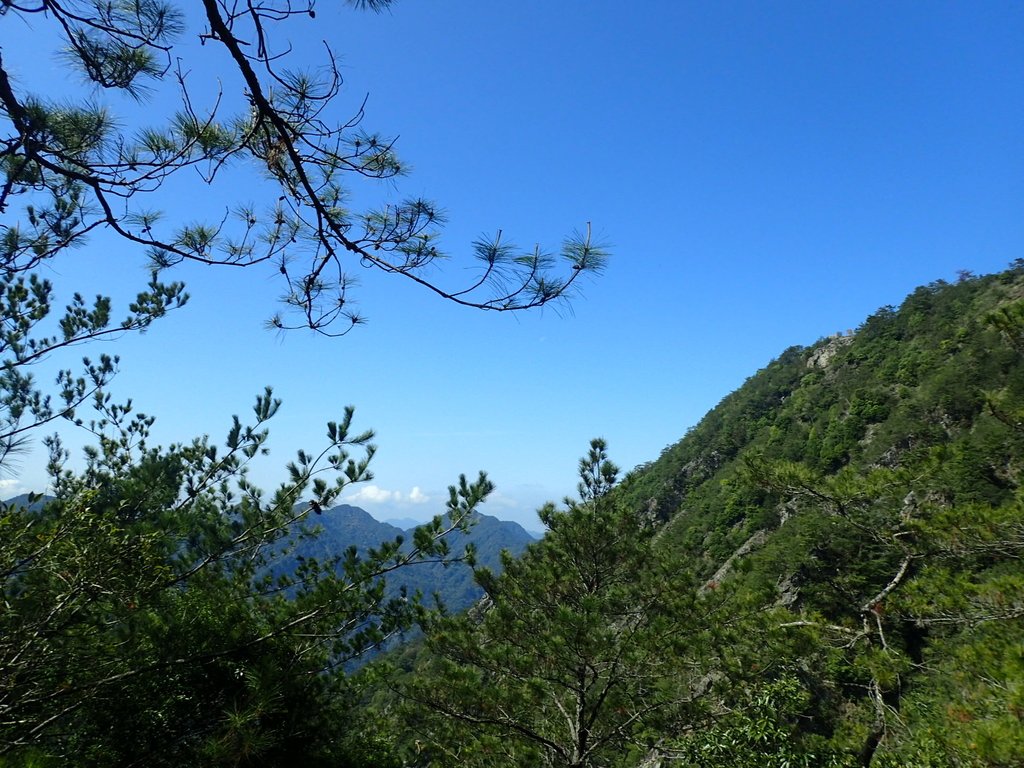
(822, 356)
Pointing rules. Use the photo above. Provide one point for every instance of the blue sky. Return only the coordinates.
(765, 173)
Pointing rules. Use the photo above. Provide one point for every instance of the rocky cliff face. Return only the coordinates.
(820, 355)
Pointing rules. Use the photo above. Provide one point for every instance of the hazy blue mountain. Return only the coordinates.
(405, 523)
(346, 526)
(31, 502)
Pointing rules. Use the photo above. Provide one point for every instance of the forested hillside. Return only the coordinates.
(826, 570)
(941, 372)
(871, 484)
(875, 481)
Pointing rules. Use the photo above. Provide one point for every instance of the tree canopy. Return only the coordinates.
(567, 660)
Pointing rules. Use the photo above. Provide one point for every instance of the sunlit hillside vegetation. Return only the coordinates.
(838, 549)
(825, 571)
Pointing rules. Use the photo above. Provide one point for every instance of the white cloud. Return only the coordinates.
(10, 487)
(372, 494)
(416, 496)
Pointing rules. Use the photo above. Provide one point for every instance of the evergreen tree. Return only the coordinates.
(142, 619)
(589, 648)
(142, 622)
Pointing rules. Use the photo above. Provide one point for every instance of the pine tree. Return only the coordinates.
(144, 621)
(589, 647)
(69, 168)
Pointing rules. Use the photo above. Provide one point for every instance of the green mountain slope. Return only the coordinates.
(864, 493)
(827, 571)
(908, 382)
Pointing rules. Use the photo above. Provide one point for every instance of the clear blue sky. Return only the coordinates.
(766, 174)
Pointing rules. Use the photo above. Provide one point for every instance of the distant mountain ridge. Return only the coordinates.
(345, 526)
(405, 523)
(33, 502)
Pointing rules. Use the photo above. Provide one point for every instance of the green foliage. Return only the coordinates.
(585, 648)
(143, 623)
(879, 501)
(25, 307)
(597, 474)
(969, 712)
(763, 731)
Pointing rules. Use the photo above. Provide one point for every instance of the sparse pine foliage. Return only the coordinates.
(69, 168)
